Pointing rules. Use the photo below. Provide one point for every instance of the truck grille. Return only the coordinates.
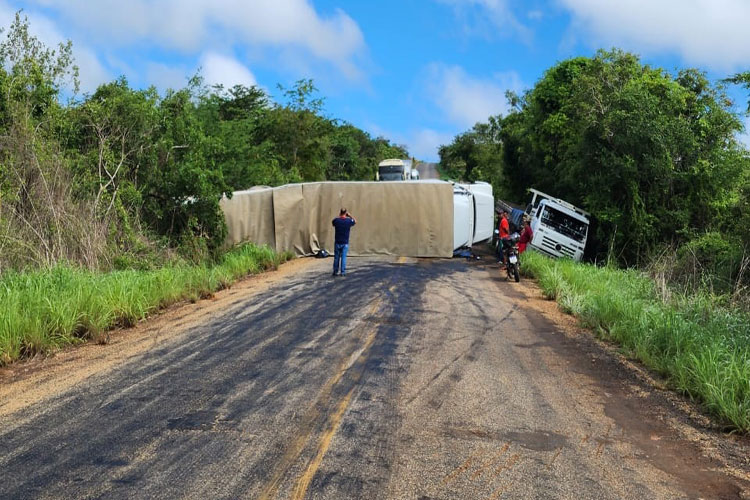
(557, 248)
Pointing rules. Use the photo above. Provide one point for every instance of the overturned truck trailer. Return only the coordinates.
(416, 219)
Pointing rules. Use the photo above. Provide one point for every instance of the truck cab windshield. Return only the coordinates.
(564, 224)
(394, 173)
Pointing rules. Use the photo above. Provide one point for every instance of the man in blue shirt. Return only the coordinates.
(343, 224)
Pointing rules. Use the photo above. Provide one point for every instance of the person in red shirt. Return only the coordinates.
(504, 230)
(504, 226)
(526, 236)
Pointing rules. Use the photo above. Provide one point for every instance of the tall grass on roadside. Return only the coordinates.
(41, 311)
(703, 349)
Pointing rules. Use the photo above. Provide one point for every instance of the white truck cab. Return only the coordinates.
(394, 169)
(560, 228)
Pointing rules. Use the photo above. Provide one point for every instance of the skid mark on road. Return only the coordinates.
(294, 451)
(463, 353)
(353, 365)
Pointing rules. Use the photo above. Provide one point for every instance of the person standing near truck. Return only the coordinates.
(343, 225)
(526, 236)
(503, 228)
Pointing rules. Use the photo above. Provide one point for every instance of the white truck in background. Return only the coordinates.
(394, 169)
(560, 228)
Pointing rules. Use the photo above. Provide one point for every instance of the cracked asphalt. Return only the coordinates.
(408, 378)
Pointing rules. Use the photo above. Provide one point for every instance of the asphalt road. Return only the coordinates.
(428, 171)
(405, 379)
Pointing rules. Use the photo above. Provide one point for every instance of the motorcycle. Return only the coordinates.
(495, 241)
(510, 248)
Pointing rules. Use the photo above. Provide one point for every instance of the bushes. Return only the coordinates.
(712, 260)
(701, 348)
(45, 310)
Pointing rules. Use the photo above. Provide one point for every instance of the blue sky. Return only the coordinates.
(415, 71)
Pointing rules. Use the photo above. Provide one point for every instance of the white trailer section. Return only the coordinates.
(484, 210)
(463, 217)
(473, 214)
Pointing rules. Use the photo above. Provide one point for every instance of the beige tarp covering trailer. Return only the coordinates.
(412, 219)
(249, 216)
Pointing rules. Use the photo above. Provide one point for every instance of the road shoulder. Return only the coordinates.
(660, 419)
(28, 382)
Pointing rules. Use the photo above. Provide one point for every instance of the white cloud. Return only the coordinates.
(164, 77)
(535, 15)
(489, 18)
(712, 33)
(423, 144)
(224, 70)
(466, 100)
(190, 26)
(92, 72)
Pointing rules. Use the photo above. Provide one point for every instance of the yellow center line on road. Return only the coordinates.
(401, 260)
(294, 451)
(335, 421)
(325, 441)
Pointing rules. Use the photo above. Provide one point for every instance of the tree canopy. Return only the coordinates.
(652, 156)
(115, 170)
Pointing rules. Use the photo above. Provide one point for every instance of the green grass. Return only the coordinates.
(702, 348)
(42, 311)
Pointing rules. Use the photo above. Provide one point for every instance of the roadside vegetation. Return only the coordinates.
(109, 200)
(124, 177)
(51, 308)
(655, 157)
(699, 341)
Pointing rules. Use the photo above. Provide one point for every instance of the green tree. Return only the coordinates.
(476, 155)
(235, 119)
(182, 190)
(115, 131)
(40, 221)
(299, 133)
(652, 156)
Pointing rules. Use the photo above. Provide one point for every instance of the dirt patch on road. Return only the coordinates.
(659, 420)
(28, 382)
